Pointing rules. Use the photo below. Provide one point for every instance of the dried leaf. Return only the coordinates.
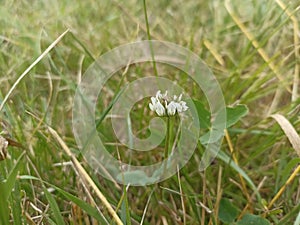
(289, 131)
(3, 148)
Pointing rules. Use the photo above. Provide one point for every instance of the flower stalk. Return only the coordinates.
(165, 106)
(168, 137)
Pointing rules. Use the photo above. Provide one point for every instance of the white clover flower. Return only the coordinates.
(152, 105)
(160, 109)
(158, 94)
(156, 106)
(170, 106)
(181, 106)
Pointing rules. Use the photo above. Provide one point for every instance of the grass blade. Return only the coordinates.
(31, 66)
(54, 207)
(90, 210)
(5, 189)
(85, 177)
(225, 158)
(7, 186)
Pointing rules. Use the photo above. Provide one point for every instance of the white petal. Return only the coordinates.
(165, 94)
(171, 108)
(151, 106)
(154, 100)
(179, 98)
(160, 110)
(183, 105)
(158, 94)
(179, 107)
(166, 103)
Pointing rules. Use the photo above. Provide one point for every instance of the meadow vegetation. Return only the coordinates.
(251, 46)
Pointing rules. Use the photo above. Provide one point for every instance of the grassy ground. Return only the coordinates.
(251, 46)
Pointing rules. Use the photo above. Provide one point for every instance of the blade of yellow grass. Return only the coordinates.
(243, 183)
(294, 139)
(84, 175)
(219, 193)
(264, 55)
(279, 193)
(256, 44)
(31, 66)
(214, 52)
(203, 213)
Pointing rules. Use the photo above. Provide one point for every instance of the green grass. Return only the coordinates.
(211, 29)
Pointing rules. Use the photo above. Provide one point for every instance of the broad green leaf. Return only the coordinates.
(227, 211)
(54, 207)
(235, 113)
(211, 137)
(250, 219)
(203, 114)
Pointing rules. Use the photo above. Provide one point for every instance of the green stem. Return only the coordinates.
(149, 38)
(167, 143)
(167, 139)
(171, 134)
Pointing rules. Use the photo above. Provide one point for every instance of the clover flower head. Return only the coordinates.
(171, 108)
(163, 105)
(156, 106)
